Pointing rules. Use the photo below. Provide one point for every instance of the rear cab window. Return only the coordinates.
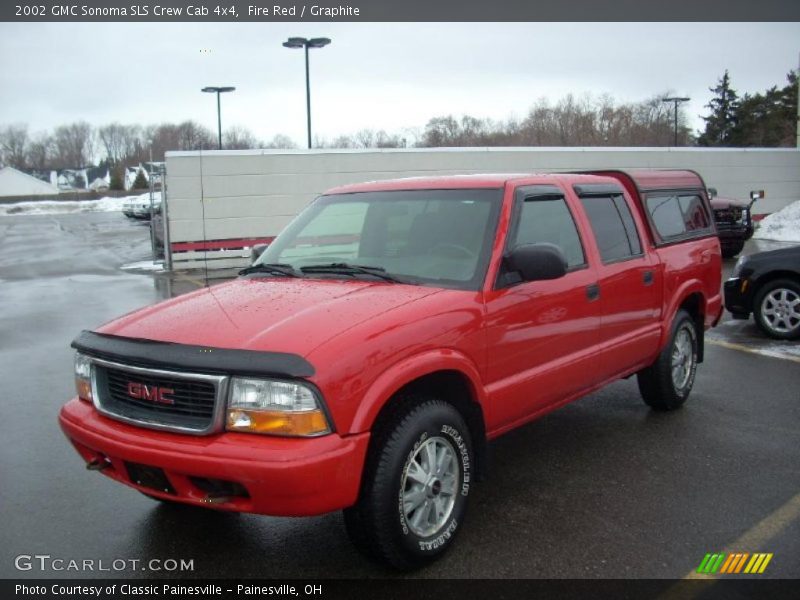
(678, 215)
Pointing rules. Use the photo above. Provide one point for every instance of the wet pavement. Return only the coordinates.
(601, 488)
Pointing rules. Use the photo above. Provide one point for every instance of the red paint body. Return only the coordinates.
(523, 350)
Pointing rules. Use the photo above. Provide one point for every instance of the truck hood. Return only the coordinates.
(279, 315)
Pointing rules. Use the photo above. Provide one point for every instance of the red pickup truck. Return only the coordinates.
(388, 333)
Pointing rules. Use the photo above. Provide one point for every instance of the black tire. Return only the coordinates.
(381, 524)
(732, 248)
(778, 296)
(657, 383)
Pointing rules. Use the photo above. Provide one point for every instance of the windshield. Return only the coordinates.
(437, 237)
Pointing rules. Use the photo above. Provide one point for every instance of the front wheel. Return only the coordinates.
(665, 385)
(415, 488)
(777, 309)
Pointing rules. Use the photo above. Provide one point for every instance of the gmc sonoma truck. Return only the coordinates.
(388, 333)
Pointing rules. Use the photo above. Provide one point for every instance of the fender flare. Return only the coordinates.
(404, 372)
(686, 289)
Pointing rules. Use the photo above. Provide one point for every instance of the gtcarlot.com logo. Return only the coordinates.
(46, 562)
(734, 563)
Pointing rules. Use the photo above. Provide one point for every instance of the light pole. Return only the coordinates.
(218, 91)
(299, 42)
(676, 101)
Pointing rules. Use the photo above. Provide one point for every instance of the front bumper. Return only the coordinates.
(281, 476)
(737, 297)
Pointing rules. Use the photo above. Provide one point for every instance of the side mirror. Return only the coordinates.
(712, 192)
(756, 195)
(256, 252)
(537, 262)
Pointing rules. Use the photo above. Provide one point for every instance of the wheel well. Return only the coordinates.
(695, 305)
(454, 388)
(771, 276)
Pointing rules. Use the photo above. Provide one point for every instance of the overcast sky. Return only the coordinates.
(381, 76)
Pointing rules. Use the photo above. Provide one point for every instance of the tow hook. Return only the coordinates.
(98, 464)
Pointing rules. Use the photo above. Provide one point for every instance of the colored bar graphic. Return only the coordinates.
(741, 562)
(728, 564)
(765, 563)
(734, 563)
(704, 563)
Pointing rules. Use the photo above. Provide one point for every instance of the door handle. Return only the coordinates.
(647, 278)
(593, 292)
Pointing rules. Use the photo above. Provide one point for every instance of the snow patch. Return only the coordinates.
(145, 265)
(58, 207)
(782, 226)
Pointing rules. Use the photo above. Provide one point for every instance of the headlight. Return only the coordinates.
(83, 377)
(275, 407)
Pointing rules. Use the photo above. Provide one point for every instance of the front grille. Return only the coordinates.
(156, 398)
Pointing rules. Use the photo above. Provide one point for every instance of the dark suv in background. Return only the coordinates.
(734, 221)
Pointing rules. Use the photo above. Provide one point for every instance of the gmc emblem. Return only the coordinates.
(152, 393)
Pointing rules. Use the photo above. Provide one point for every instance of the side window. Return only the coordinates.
(613, 226)
(677, 215)
(547, 219)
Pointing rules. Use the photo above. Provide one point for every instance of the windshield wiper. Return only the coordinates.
(350, 269)
(274, 268)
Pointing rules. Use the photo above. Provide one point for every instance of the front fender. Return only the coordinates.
(408, 370)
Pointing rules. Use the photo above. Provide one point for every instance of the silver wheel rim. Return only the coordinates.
(682, 358)
(780, 310)
(430, 480)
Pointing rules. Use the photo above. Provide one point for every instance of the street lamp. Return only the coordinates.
(218, 91)
(676, 101)
(299, 42)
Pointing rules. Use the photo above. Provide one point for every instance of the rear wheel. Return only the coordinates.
(665, 385)
(777, 309)
(416, 485)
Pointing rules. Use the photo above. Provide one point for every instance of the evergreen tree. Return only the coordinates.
(720, 124)
(140, 182)
(117, 182)
(768, 120)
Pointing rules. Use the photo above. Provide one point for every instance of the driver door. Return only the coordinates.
(543, 334)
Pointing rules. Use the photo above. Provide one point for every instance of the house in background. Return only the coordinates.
(99, 185)
(151, 170)
(17, 183)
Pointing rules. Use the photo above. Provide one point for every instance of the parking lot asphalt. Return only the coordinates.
(603, 488)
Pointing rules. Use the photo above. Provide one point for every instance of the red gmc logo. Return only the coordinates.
(153, 393)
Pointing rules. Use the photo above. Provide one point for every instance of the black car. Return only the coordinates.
(767, 284)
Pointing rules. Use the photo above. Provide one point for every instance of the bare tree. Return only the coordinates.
(14, 145)
(280, 141)
(120, 142)
(239, 138)
(343, 141)
(40, 151)
(193, 136)
(74, 145)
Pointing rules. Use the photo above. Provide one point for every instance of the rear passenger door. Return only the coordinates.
(629, 282)
(542, 334)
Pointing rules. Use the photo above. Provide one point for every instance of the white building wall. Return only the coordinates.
(244, 194)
